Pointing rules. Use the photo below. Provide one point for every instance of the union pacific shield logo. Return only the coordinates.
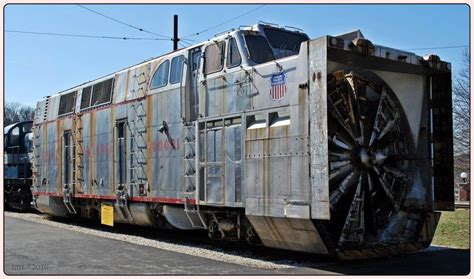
(278, 88)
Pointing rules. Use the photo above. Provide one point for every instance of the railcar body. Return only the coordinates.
(17, 160)
(331, 145)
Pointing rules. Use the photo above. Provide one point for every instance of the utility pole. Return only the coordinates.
(175, 32)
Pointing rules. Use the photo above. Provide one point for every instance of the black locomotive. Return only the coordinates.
(18, 150)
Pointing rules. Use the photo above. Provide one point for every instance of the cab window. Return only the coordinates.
(233, 55)
(259, 50)
(15, 137)
(280, 39)
(214, 58)
(160, 78)
(176, 69)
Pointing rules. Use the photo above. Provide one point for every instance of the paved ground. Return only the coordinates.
(32, 248)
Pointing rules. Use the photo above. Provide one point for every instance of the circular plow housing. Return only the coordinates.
(372, 173)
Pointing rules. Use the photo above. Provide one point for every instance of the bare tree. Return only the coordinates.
(461, 116)
(16, 112)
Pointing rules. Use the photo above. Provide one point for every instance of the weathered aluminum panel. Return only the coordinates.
(138, 79)
(233, 163)
(52, 158)
(102, 152)
(214, 169)
(238, 91)
(53, 107)
(261, 75)
(121, 112)
(88, 154)
(141, 213)
(51, 205)
(318, 128)
(168, 161)
(277, 156)
(120, 87)
(289, 233)
(177, 217)
(40, 112)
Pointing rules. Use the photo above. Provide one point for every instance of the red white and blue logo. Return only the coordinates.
(278, 88)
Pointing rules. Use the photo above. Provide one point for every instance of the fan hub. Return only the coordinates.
(365, 157)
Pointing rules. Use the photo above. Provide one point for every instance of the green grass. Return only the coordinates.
(453, 229)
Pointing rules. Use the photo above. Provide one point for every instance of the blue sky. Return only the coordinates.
(38, 65)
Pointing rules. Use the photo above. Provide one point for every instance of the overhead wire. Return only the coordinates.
(187, 41)
(440, 47)
(190, 40)
(84, 36)
(222, 23)
(123, 23)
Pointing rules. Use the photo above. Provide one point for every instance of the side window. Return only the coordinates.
(196, 60)
(233, 55)
(176, 69)
(15, 137)
(214, 58)
(160, 78)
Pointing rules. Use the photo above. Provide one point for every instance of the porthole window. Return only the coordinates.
(160, 78)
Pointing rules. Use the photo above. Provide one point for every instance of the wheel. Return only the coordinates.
(370, 170)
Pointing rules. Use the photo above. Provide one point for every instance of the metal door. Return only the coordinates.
(192, 96)
(67, 159)
(120, 160)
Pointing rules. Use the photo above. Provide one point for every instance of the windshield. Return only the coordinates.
(259, 50)
(287, 42)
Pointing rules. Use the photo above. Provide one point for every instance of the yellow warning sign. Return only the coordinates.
(107, 215)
